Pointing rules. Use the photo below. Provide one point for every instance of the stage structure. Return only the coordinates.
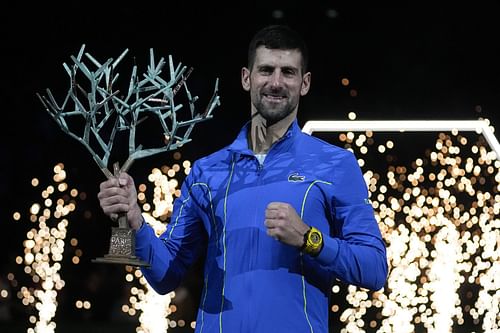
(96, 114)
(479, 126)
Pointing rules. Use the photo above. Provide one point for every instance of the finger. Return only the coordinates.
(269, 223)
(114, 200)
(110, 183)
(125, 179)
(273, 214)
(272, 233)
(276, 205)
(112, 192)
(277, 224)
(115, 209)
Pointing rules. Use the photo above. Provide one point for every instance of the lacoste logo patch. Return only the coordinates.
(295, 177)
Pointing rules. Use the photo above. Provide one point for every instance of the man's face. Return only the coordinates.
(275, 83)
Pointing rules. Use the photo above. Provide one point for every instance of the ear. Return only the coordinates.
(306, 84)
(245, 78)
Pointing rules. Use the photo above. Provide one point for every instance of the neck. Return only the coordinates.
(262, 136)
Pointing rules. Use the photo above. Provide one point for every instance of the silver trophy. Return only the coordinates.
(95, 114)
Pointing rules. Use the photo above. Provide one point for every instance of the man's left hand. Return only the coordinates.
(284, 224)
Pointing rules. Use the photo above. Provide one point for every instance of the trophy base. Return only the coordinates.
(122, 249)
(120, 259)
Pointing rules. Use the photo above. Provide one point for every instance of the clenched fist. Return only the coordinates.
(284, 224)
(118, 195)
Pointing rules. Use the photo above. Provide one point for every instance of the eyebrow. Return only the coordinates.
(292, 68)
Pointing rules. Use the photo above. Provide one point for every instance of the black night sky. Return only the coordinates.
(415, 60)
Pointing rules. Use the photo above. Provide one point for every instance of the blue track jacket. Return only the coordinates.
(252, 282)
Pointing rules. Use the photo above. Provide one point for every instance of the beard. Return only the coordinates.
(273, 112)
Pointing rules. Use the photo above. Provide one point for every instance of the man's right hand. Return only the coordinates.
(118, 195)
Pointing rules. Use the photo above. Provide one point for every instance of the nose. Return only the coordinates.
(276, 78)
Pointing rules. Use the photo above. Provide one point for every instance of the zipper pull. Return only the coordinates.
(260, 166)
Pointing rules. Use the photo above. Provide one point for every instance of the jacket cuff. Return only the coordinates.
(329, 252)
(143, 234)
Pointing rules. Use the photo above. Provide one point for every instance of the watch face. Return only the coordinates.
(315, 237)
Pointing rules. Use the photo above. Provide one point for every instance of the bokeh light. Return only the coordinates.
(438, 212)
(44, 249)
(156, 201)
(439, 215)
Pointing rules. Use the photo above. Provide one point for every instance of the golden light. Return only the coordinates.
(157, 204)
(43, 251)
(34, 182)
(439, 216)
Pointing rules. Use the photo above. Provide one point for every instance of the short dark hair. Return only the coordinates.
(279, 37)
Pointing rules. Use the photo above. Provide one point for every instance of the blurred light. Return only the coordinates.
(155, 308)
(331, 13)
(277, 14)
(440, 219)
(43, 249)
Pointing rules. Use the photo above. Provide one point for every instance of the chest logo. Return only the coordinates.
(295, 177)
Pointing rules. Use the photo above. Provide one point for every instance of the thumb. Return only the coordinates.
(124, 179)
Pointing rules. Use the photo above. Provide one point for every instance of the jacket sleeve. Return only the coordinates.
(172, 254)
(356, 254)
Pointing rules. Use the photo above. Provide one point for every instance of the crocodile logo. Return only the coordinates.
(295, 177)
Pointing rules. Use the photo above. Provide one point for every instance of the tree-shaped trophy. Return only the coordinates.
(96, 115)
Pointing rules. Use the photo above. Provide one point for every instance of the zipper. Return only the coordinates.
(259, 168)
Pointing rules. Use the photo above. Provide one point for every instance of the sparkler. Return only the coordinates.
(439, 215)
(440, 218)
(44, 249)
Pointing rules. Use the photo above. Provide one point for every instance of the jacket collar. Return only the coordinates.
(240, 144)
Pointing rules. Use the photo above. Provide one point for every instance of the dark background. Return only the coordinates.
(408, 61)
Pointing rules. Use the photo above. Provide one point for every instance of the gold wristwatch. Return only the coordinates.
(313, 242)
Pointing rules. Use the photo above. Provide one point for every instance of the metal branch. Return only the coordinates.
(105, 112)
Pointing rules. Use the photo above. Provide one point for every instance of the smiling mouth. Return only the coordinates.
(274, 98)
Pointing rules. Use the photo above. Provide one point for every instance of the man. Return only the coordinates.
(280, 214)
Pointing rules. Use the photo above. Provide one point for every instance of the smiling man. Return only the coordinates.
(280, 214)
